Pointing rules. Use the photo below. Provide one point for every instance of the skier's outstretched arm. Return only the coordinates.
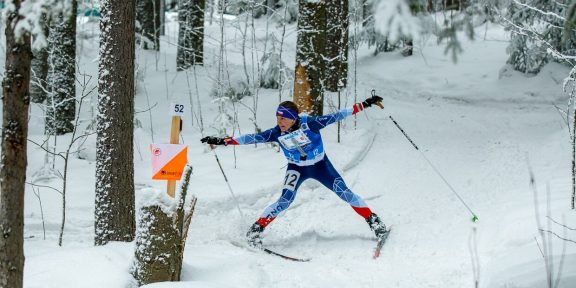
(262, 137)
(317, 123)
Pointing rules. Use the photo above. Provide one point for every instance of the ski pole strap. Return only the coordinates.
(405, 135)
(377, 103)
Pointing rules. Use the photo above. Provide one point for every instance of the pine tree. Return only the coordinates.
(114, 212)
(148, 24)
(61, 98)
(190, 34)
(38, 82)
(15, 104)
(536, 29)
(310, 51)
(369, 35)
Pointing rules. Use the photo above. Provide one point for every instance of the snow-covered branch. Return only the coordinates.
(394, 18)
(546, 13)
(31, 20)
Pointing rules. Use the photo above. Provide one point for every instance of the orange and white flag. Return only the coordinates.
(168, 161)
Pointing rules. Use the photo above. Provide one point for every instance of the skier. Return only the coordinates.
(300, 140)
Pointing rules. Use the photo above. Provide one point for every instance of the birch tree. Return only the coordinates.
(114, 210)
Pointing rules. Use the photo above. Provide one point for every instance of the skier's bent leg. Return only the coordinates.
(272, 211)
(333, 181)
(292, 181)
(253, 235)
(376, 225)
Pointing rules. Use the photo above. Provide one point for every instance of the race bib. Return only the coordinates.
(293, 140)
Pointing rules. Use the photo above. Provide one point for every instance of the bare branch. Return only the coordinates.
(558, 236)
(540, 11)
(556, 222)
(44, 186)
(45, 149)
(148, 109)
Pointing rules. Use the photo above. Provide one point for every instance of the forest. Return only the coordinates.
(138, 143)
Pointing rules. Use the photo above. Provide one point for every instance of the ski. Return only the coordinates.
(270, 252)
(380, 243)
(284, 256)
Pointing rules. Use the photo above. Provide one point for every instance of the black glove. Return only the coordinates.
(372, 100)
(213, 140)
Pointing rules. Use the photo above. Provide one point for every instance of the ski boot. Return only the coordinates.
(376, 225)
(253, 235)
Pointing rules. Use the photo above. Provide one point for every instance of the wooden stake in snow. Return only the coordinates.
(177, 110)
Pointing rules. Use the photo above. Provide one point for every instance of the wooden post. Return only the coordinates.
(174, 139)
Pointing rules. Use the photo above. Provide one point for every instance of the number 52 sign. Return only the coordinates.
(177, 109)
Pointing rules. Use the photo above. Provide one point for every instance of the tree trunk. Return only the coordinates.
(270, 7)
(115, 124)
(190, 34)
(61, 99)
(158, 247)
(148, 17)
(366, 11)
(310, 49)
(39, 76)
(13, 164)
(162, 17)
(336, 73)
(161, 236)
(573, 140)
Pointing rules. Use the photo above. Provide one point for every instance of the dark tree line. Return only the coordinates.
(190, 34)
(148, 24)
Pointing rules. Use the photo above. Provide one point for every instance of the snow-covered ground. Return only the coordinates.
(482, 128)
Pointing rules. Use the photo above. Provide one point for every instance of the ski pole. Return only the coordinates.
(474, 217)
(228, 183)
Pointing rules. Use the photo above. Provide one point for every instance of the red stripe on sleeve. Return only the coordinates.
(357, 108)
(230, 141)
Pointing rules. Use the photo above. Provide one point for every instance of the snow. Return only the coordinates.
(31, 12)
(482, 127)
(151, 196)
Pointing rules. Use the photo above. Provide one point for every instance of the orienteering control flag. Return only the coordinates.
(168, 161)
